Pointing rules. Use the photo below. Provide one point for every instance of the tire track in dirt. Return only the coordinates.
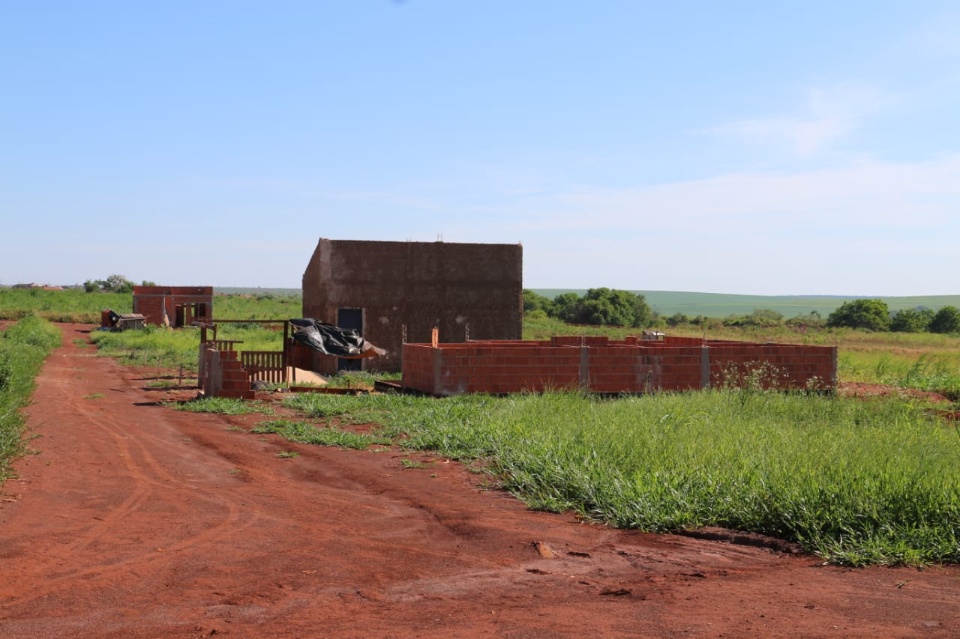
(144, 477)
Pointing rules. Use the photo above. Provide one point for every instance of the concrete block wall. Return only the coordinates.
(602, 365)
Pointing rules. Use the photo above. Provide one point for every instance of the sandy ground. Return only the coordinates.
(134, 520)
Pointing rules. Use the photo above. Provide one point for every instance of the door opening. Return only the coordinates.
(350, 318)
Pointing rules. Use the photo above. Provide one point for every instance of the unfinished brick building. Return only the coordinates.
(173, 305)
(396, 292)
(602, 365)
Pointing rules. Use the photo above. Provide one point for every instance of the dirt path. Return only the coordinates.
(136, 521)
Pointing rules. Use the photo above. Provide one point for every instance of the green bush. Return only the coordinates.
(911, 320)
(533, 301)
(865, 314)
(759, 318)
(946, 320)
(602, 307)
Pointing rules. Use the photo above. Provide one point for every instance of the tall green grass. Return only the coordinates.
(23, 347)
(76, 305)
(162, 347)
(261, 306)
(72, 305)
(853, 481)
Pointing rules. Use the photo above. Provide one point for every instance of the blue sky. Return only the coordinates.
(736, 147)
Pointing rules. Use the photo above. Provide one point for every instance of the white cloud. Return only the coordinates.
(866, 195)
(826, 117)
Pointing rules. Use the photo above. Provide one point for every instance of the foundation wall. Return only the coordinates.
(601, 365)
(781, 365)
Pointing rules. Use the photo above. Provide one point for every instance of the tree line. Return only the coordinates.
(612, 307)
(599, 306)
(113, 284)
(875, 315)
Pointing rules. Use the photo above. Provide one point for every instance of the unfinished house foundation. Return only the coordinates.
(173, 305)
(602, 365)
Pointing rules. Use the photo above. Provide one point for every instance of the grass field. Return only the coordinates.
(76, 306)
(856, 481)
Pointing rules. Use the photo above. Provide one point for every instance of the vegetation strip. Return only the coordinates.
(857, 482)
(23, 348)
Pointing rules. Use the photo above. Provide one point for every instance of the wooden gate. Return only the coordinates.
(264, 366)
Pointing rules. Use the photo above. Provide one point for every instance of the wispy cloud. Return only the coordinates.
(937, 38)
(866, 195)
(826, 116)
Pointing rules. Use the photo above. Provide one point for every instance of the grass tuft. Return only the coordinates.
(306, 433)
(223, 406)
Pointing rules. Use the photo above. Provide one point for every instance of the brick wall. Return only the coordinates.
(150, 301)
(606, 366)
(781, 365)
(415, 286)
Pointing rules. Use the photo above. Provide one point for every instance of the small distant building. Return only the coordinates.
(397, 292)
(173, 305)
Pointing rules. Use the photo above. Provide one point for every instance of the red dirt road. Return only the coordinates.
(136, 521)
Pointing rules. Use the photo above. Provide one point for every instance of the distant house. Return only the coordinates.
(173, 305)
(396, 292)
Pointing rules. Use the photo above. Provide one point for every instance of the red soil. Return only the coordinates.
(136, 521)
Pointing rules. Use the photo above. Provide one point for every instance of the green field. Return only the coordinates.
(234, 303)
(667, 303)
(854, 480)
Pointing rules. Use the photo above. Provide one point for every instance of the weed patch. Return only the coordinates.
(223, 406)
(306, 433)
(23, 347)
(857, 482)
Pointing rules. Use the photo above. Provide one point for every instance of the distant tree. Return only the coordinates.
(147, 283)
(911, 320)
(533, 301)
(566, 307)
(118, 284)
(677, 319)
(613, 307)
(946, 320)
(113, 284)
(866, 314)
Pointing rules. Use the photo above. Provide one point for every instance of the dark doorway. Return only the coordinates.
(350, 318)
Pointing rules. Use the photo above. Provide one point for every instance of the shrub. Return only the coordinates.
(677, 319)
(566, 307)
(533, 301)
(911, 320)
(759, 318)
(603, 307)
(946, 320)
(867, 314)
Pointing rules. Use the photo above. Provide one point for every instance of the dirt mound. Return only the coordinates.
(136, 521)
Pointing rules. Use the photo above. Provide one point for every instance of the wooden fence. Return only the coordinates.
(264, 366)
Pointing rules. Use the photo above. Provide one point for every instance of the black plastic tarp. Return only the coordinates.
(332, 340)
